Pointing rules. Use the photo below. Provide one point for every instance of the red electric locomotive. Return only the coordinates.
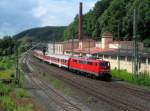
(98, 68)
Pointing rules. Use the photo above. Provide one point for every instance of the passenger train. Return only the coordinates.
(94, 67)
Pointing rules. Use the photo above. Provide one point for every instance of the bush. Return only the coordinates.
(28, 107)
(21, 93)
(4, 89)
(147, 42)
(122, 74)
(141, 79)
(8, 103)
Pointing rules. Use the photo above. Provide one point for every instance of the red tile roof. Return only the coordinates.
(92, 50)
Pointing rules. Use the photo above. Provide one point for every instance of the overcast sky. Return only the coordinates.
(19, 15)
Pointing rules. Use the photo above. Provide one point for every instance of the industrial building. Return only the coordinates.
(119, 53)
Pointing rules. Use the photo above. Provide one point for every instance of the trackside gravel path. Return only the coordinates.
(120, 96)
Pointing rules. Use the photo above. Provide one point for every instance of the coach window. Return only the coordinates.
(80, 62)
(84, 62)
(95, 64)
(74, 60)
(89, 63)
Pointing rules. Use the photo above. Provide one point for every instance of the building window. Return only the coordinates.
(148, 60)
(129, 58)
(122, 57)
(113, 57)
(142, 60)
(106, 56)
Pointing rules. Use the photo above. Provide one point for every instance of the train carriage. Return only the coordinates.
(60, 60)
(98, 68)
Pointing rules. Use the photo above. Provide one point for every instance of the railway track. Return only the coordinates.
(117, 101)
(63, 103)
(138, 92)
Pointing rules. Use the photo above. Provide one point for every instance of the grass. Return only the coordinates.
(28, 107)
(4, 89)
(10, 104)
(6, 62)
(7, 101)
(59, 85)
(7, 68)
(141, 79)
(21, 93)
(10, 96)
(7, 74)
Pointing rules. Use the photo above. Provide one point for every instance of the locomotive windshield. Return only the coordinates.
(104, 64)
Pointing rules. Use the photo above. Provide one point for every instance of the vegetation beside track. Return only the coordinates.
(7, 68)
(57, 84)
(12, 98)
(141, 79)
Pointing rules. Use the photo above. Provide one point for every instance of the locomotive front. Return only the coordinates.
(104, 70)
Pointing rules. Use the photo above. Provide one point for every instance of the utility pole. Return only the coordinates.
(72, 45)
(118, 47)
(17, 65)
(135, 45)
(89, 46)
(54, 46)
(17, 75)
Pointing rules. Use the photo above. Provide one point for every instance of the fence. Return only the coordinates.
(125, 61)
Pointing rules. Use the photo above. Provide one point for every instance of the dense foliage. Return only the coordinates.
(7, 46)
(107, 15)
(43, 34)
(10, 96)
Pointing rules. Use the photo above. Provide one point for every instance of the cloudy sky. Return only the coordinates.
(19, 15)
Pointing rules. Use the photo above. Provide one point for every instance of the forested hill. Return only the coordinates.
(107, 14)
(48, 33)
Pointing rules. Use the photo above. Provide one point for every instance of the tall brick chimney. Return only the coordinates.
(80, 22)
